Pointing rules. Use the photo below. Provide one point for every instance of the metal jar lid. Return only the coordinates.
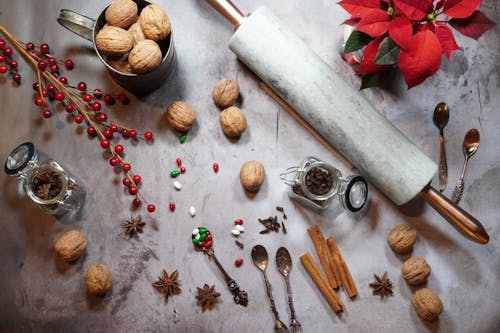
(354, 193)
(19, 158)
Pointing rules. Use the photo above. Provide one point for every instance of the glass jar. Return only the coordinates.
(315, 183)
(46, 182)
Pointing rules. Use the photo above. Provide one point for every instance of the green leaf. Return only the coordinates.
(388, 52)
(375, 79)
(357, 40)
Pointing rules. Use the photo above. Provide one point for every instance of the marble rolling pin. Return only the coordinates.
(336, 110)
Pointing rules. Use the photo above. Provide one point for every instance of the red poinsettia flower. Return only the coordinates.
(412, 34)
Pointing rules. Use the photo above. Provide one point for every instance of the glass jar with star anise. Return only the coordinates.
(45, 181)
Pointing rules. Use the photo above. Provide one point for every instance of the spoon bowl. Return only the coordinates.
(441, 115)
(440, 119)
(471, 143)
(260, 257)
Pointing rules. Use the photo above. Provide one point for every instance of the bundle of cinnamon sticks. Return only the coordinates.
(336, 271)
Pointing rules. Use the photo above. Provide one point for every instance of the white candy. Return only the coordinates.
(192, 211)
(239, 228)
(235, 232)
(196, 232)
(177, 185)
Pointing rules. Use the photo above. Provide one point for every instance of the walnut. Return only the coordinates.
(427, 304)
(154, 22)
(401, 238)
(120, 65)
(98, 279)
(252, 175)
(135, 31)
(121, 13)
(113, 41)
(415, 270)
(233, 122)
(181, 116)
(145, 56)
(70, 245)
(225, 93)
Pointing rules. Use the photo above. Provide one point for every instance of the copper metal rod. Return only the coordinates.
(227, 9)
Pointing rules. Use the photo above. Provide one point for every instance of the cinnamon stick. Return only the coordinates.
(345, 274)
(319, 280)
(321, 250)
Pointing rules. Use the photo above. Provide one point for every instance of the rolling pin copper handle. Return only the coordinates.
(227, 9)
(465, 223)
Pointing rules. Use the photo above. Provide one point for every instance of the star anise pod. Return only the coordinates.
(43, 191)
(207, 297)
(134, 225)
(167, 284)
(382, 286)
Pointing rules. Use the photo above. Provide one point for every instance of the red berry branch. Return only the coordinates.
(84, 105)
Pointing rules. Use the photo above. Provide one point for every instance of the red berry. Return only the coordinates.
(108, 99)
(96, 106)
(63, 79)
(34, 54)
(179, 162)
(87, 97)
(13, 63)
(16, 77)
(2, 43)
(151, 208)
(137, 179)
(2, 57)
(133, 190)
(82, 86)
(45, 92)
(238, 262)
(42, 64)
(52, 61)
(97, 93)
(118, 149)
(132, 134)
(148, 135)
(125, 133)
(238, 221)
(216, 167)
(3, 69)
(123, 98)
(46, 113)
(104, 143)
(44, 48)
(183, 170)
(8, 51)
(30, 46)
(136, 202)
(102, 117)
(126, 181)
(107, 133)
(54, 69)
(171, 205)
(39, 101)
(36, 86)
(78, 119)
(59, 95)
(114, 161)
(113, 128)
(91, 131)
(68, 63)
(69, 108)
(126, 167)
(51, 87)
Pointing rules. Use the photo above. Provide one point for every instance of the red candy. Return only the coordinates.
(238, 262)
(238, 221)
(216, 167)
(171, 205)
(179, 162)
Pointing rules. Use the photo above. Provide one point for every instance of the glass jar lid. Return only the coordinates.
(355, 193)
(19, 158)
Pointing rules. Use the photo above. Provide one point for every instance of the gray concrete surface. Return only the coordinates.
(40, 293)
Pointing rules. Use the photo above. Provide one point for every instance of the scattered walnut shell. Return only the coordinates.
(70, 245)
(225, 93)
(135, 31)
(113, 41)
(233, 122)
(415, 270)
(252, 175)
(145, 56)
(181, 116)
(155, 22)
(121, 13)
(98, 279)
(427, 304)
(401, 238)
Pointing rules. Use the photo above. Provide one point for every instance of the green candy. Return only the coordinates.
(182, 138)
(195, 240)
(202, 230)
(174, 173)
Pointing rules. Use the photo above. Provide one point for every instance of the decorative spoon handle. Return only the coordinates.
(458, 191)
(295, 326)
(279, 326)
(443, 167)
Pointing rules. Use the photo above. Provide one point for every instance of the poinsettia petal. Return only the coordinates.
(446, 38)
(422, 58)
(426, 26)
(460, 8)
(440, 4)
(359, 8)
(473, 26)
(415, 10)
(375, 23)
(352, 21)
(367, 64)
(400, 30)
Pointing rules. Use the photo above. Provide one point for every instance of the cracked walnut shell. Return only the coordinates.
(427, 304)
(252, 175)
(233, 122)
(70, 245)
(145, 56)
(154, 22)
(121, 13)
(181, 116)
(225, 93)
(113, 41)
(401, 238)
(98, 279)
(415, 270)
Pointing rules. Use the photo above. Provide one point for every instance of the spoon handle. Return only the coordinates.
(294, 324)
(278, 324)
(443, 167)
(458, 191)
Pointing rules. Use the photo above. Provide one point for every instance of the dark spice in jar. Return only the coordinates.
(47, 185)
(318, 181)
